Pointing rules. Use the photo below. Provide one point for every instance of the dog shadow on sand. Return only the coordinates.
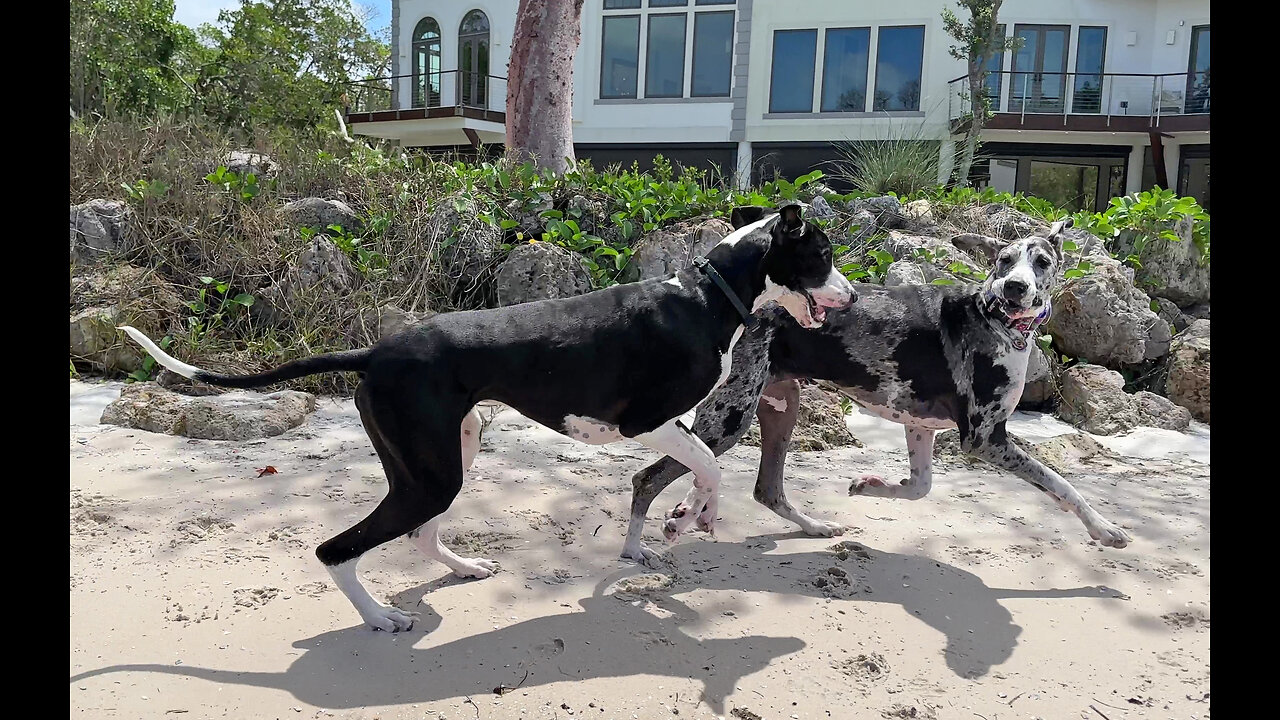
(616, 637)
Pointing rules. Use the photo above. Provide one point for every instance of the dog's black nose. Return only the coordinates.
(1014, 288)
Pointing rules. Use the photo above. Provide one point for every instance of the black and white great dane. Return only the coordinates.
(930, 357)
(623, 362)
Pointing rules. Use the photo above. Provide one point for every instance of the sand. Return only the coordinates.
(195, 591)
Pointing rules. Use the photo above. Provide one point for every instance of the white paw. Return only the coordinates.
(864, 483)
(388, 619)
(476, 568)
(680, 519)
(1109, 535)
(707, 520)
(644, 555)
(822, 528)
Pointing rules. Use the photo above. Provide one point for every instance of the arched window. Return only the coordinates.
(426, 63)
(473, 60)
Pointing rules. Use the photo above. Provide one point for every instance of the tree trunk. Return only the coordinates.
(540, 82)
(978, 109)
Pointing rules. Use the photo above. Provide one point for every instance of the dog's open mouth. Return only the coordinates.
(816, 311)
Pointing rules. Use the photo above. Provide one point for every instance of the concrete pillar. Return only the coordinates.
(947, 159)
(1172, 158)
(1133, 176)
(742, 177)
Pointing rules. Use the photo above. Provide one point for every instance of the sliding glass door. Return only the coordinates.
(1039, 81)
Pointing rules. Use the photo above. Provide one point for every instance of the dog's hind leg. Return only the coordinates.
(424, 474)
(685, 448)
(993, 445)
(427, 537)
(920, 458)
(777, 412)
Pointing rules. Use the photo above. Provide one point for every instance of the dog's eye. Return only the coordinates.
(1042, 263)
(1005, 259)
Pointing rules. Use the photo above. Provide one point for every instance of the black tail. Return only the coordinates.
(343, 361)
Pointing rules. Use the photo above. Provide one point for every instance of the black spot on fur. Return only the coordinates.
(732, 421)
(989, 380)
(923, 366)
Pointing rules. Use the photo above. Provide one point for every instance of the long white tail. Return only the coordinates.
(162, 357)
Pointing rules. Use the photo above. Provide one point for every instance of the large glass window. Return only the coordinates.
(844, 70)
(1198, 71)
(473, 60)
(1091, 52)
(899, 62)
(621, 4)
(664, 60)
(791, 80)
(1040, 69)
(1066, 185)
(712, 54)
(668, 3)
(426, 63)
(620, 56)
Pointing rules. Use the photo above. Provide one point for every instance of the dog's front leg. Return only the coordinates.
(920, 458)
(777, 412)
(685, 447)
(994, 446)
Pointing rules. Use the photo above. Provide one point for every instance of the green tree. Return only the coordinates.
(285, 63)
(978, 40)
(128, 57)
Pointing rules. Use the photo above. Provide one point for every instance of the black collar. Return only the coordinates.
(707, 269)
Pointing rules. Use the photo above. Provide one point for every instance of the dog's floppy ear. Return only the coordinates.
(988, 246)
(747, 214)
(1055, 234)
(791, 222)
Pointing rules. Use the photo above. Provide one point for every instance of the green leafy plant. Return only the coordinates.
(212, 308)
(148, 369)
(244, 187)
(1134, 221)
(144, 190)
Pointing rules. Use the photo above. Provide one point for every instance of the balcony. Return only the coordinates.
(1084, 102)
(416, 113)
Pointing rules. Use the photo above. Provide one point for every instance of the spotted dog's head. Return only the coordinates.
(797, 266)
(1024, 271)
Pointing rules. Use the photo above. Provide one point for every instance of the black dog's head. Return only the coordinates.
(1025, 271)
(797, 264)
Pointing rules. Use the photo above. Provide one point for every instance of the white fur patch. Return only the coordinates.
(732, 238)
(673, 280)
(778, 404)
(591, 431)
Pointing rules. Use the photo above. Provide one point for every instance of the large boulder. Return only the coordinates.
(231, 416)
(905, 272)
(248, 162)
(1170, 269)
(999, 221)
(919, 213)
(319, 213)
(529, 213)
(886, 210)
(470, 250)
(99, 229)
(668, 250)
(540, 271)
(1169, 311)
(1093, 399)
(321, 270)
(375, 323)
(1187, 379)
(1040, 388)
(862, 227)
(1101, 317)
(104, 299)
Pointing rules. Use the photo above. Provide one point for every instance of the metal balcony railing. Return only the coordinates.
(464, 88)
(1106, 95)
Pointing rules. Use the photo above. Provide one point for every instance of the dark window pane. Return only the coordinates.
(426, 64)
(714, 2)
(1091, 51)
(712, 53)
(899, 58)
(621, 4)
(668, 3)
(475, 22)
(791, 81)
(620, 56)
(1067, 186)
(1198, 74)
(844, 70)
(664, 63)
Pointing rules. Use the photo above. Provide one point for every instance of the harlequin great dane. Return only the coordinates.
(930, 357)
(623, 362)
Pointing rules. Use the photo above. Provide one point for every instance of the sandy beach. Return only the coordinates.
(195, 591)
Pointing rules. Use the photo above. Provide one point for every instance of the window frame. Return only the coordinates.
(648, 57)
(773, 54)
(642, 11)
(693, 59)
(822, 90)
(639, 24)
